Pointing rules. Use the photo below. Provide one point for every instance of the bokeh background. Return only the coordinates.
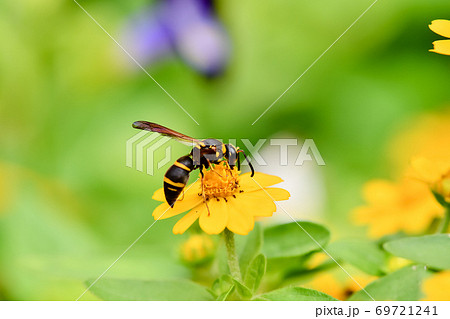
(68, 95)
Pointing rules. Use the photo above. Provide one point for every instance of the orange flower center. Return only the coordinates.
(220, 181)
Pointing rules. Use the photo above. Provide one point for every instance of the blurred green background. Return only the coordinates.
(68, 95)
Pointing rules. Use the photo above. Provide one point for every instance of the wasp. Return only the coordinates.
(203, 154)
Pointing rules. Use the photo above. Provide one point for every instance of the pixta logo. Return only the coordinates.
(149, 151)
(142, 148)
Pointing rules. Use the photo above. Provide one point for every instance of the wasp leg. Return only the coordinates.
(203, 190)
(227, 164)
(248, 161)
(213, 170)
(207, 207)
(238, 161)
(218, 174)
(228, 171)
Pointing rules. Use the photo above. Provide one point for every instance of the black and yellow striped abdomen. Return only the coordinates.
(176, 178)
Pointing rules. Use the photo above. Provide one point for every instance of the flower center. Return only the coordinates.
(220, 181)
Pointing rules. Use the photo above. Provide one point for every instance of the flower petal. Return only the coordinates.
(240, 217)
(250, 184)
(190, 191)
(164, 211)
(261, 203)
(441, 27)
(278, 193)
(363, 215)
(428, 170)
(214, 220)
(186, 221)
(256, 203)
(441, 47)
(433, 286)
(159, 195)
(187, 200)
(380, 192)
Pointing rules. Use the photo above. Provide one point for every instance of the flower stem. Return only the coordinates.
(233, 262)
(444, 222)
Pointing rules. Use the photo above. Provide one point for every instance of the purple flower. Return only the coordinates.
(186, 28)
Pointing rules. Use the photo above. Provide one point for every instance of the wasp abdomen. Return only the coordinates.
(176, 178)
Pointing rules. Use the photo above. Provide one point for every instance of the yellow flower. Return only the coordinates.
(434, 172)
(317, 259)
(233, 201)
(441, 27)
(338, 287)
(437, 287)
(426, 136)
(396, 263)
(197, 249)
(408, 206)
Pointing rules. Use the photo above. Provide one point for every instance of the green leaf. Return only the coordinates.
(242, 290)
(224, 296)
(227, 280)
(255, 272)
(289, 240)
(170, 290)
(441, 200)
(252, 248)
(295, 294)
(222, 285)
(402, 285)
(432, 250)
(364, 255)
(285, 265)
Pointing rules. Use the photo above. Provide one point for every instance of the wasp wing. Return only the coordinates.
(153, 127)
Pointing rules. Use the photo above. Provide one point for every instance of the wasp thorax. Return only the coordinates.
(220, 181)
